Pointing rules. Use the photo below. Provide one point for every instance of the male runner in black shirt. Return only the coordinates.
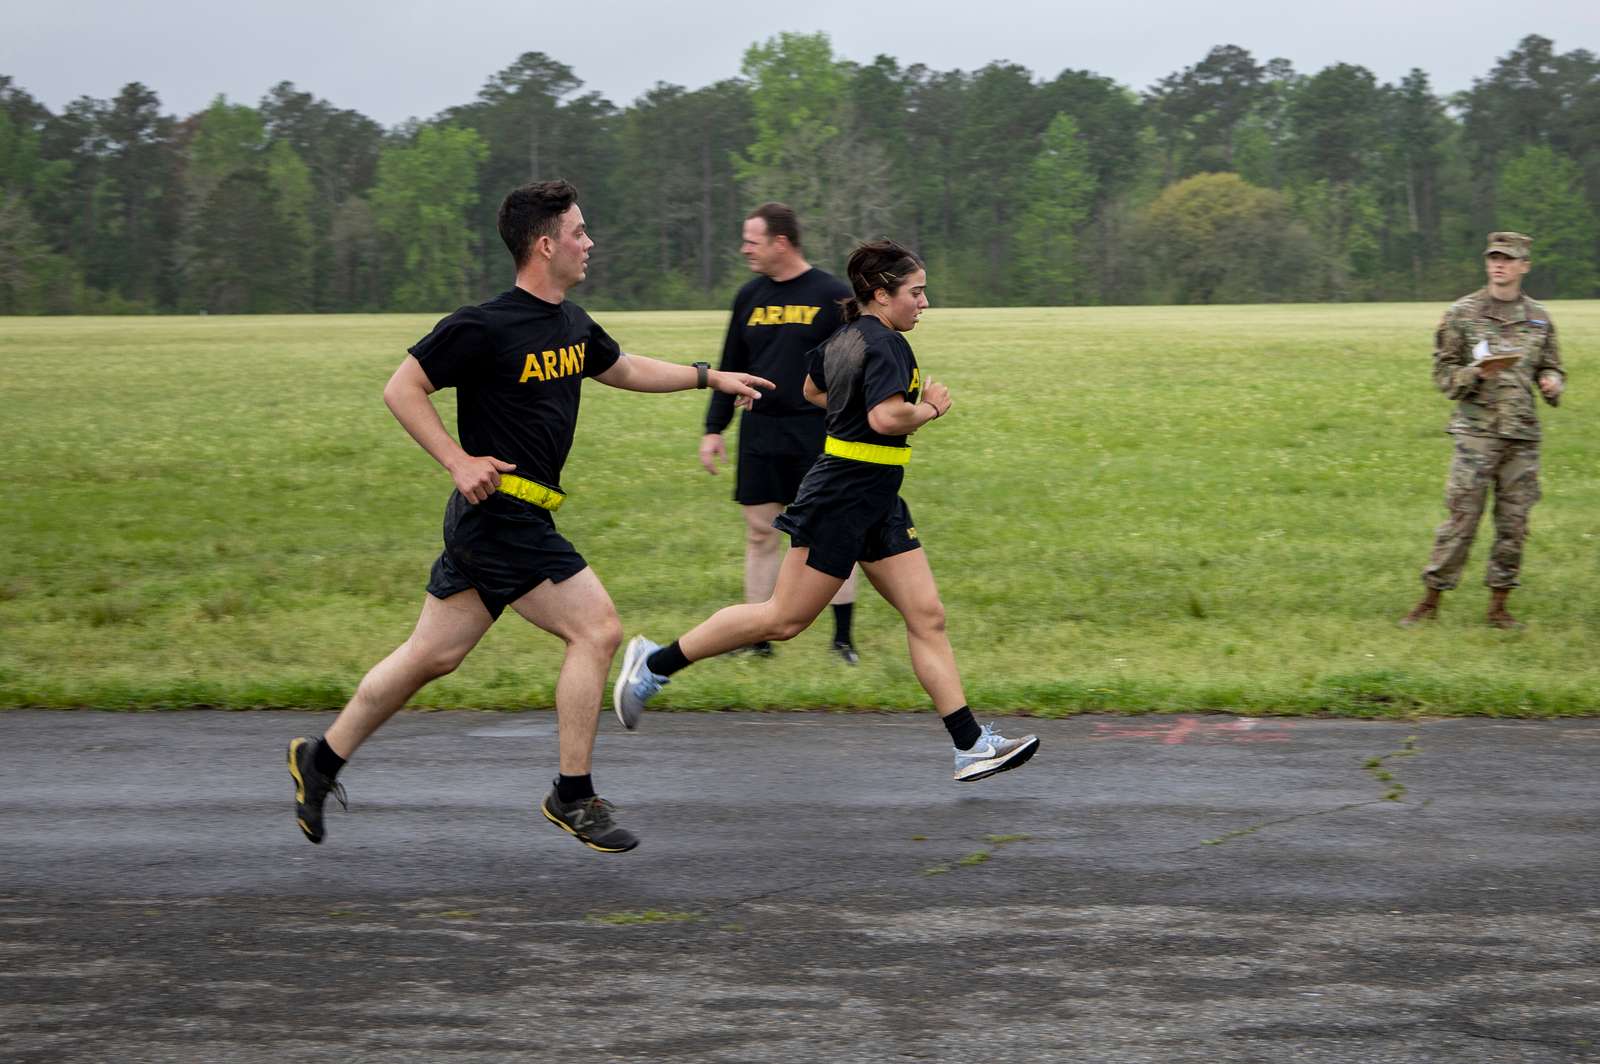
(787, 309)
(517, 363)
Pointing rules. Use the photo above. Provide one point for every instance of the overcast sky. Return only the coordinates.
(406, 58)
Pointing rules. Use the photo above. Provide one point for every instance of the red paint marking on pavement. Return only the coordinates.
(1183, 729)
(1180, 733)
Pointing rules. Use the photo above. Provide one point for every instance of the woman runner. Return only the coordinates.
(849, 510)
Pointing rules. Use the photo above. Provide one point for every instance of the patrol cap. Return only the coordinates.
(1513, 244)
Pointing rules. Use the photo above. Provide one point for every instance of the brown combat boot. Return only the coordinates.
(1426, 610)
(1497, 615)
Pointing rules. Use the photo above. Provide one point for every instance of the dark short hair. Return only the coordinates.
(532, 211)
(874, 265)
(781, 221)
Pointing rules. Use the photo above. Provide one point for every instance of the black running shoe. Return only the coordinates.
(754, 650)
(846, 653)
(589, 821)
(311, 788)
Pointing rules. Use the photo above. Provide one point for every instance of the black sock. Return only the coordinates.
(667, 660)
(574, 788)
(964, 731)
(841, 622)
(324, 760)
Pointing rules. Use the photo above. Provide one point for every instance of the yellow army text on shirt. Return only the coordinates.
(1502, 405)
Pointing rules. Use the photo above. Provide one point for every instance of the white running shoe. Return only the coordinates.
(993, 753)
(636, 685)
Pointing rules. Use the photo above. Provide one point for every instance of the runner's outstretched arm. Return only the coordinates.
(636, 373)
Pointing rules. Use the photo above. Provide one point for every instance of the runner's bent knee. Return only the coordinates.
(787, 628)
(775, 623)
(926, 618)
(605, 634)
(601, 631)
(436, 661)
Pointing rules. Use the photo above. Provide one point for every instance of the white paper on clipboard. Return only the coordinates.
(1481, 353)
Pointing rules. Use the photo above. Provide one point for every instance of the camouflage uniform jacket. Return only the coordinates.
(1504, 405)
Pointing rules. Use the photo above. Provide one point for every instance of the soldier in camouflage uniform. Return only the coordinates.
(1496, 423)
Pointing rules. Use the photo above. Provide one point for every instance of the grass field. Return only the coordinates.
(1129, 509)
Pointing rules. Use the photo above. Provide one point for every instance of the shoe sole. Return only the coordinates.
(564, 826)
(300, 789)
(1018, 757)
(630, 664)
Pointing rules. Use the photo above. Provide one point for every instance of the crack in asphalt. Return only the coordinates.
(1253, 828)
(734, 903)
(1373, 765)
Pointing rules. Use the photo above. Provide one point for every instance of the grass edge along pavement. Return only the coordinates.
(1378, 697)
(1133, 509)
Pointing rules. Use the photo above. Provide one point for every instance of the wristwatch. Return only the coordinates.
(704, 369)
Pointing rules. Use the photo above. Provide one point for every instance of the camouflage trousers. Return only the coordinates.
(1512, 467)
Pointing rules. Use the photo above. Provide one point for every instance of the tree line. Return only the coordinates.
(1232, 180)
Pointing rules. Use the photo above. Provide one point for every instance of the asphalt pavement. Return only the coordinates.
(810, 887)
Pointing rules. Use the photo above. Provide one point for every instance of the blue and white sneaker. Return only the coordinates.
(636, 684)
(993, 753)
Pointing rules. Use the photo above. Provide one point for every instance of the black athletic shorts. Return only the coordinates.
(849, 512)
(503, 547)
(775, 454)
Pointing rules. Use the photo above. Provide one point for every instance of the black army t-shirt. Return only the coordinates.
(859, 367)
(517, 364)
(774, 326)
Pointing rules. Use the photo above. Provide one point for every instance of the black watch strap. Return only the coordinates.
(704, 371)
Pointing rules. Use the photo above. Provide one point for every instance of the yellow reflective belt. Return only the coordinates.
(531, 491)
(866, 452)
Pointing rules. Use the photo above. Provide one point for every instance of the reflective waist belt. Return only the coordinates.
(875, 453)
(531, 491)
